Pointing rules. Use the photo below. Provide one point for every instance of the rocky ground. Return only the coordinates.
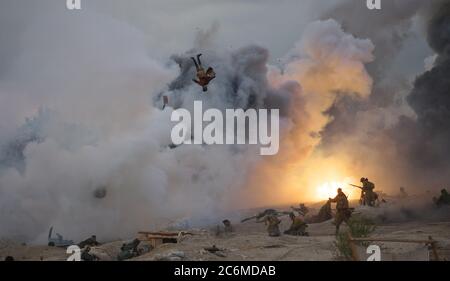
(250, 242)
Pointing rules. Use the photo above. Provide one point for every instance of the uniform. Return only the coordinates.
(343, 212)
(86, 256)
(203, 77)
(444, 199)
(128, 251)
(298, 227)
(368, 197)
(273, 223)
(92, 241)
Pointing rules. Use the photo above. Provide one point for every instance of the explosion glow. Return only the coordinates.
(329, 190)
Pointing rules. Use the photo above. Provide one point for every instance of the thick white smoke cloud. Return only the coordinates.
(88, 84)
(91, 84)
(94, 79)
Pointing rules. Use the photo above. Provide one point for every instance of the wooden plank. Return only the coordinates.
(159, 233)
(433, 247)
(393, 240)
(353, 248)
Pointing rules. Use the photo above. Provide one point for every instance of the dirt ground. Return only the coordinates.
(250, 242)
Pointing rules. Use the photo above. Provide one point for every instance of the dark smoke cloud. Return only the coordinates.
(404, 124)
(388, 30)
(427, 139)
(242, 82)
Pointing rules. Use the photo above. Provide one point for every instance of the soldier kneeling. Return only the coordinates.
(273, 223)
(298, 226)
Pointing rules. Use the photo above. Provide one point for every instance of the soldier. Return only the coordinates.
(368, 197)
(343, 212)
(323, 215)
(203, 77)
(86, 256)
(302, 209)
(298, 226)
(444, 199)
(228, 227)
(130, 250)
(403, 193)
(92, 241)
(9, 258)
(272, 223)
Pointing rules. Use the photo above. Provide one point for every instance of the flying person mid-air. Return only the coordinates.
(203, 77)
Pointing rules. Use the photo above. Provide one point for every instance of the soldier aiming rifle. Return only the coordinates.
(368, 196)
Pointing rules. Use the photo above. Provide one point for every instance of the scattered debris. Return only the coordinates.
(100, 193)
(165, 102)
(273, 246)
(216, 251)
(173, 255)
(212, 249)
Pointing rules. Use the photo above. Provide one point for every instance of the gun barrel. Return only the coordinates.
(247, 219)
(355, 186)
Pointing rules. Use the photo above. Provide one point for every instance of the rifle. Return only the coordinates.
(360, 187)
(260, 215)
(249, 218)
(266, 213)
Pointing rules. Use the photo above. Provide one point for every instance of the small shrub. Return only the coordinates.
(358, 227)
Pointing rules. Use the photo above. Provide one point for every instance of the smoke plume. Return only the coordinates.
(85, 146)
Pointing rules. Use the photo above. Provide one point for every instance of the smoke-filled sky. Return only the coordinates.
(80, 99)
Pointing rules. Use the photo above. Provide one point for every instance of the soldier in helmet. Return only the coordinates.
(91, 241)
(87, 256)
(403, 193)
(272, 222)
(444, 199)
(129, 250)
(301, 209)
(228, 227)
(298, 226)
(368, 196)
(343, 212)
(203, 77)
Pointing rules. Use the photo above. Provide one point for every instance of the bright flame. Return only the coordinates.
(329, 190)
